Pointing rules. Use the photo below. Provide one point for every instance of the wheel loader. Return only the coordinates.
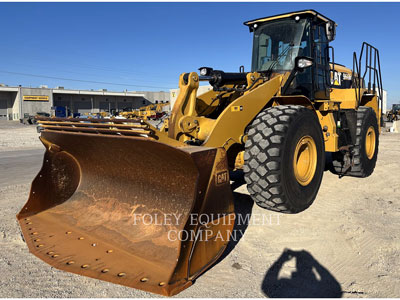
(393, 114)
(116, 199)
(152, 111)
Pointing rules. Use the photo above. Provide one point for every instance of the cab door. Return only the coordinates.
(321, 63)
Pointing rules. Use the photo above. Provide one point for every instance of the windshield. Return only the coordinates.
(396, 107)
(277, 44)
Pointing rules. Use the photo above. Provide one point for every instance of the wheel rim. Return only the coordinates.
(305, 160)
(370, 142)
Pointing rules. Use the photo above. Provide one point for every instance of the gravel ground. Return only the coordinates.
(346, 244)
(16, 136)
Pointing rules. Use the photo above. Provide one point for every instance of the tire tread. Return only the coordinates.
(263, 157)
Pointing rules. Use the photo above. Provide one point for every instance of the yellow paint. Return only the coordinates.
(330, 135)
(228, 128)
(372, 101)
(248, 23)
(305, 160)
(189, 122)
(370, 141)
(205, 103)
(239, 161)
(36, 98)
(341, 69)
(346, 97)
(237, 108)
(185, 105)
(325, 105)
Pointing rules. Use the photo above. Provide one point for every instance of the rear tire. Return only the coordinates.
(367, 136)
(275, 179)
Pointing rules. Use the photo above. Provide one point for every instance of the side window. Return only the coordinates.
(284, 54)
(305, 48)
(265, 50)
(321, 61)
(302, 84)
(321, 43)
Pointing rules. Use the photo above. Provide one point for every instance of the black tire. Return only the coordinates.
(363, 166)
(269, 153)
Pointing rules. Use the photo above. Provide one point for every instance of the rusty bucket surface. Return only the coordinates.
(129, 210)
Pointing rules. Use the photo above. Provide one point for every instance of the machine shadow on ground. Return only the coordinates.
(309, 280)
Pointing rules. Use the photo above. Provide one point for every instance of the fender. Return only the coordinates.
(229, 128)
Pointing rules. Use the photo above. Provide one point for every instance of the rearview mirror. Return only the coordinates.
(303, 62)
(330, 29)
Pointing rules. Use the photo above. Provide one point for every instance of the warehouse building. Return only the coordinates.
(17, 102)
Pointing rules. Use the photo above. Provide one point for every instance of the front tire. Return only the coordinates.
(284, 158)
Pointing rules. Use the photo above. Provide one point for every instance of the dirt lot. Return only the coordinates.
(15, 136)
(346, 244)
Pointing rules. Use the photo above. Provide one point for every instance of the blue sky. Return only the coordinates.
(145, 46)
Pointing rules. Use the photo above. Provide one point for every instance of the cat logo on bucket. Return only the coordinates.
(222, 177)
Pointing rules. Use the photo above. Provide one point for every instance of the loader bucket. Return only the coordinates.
(128, 209)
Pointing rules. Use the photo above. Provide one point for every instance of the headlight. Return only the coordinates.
(205, 71)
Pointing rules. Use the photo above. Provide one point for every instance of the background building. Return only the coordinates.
(16, 102)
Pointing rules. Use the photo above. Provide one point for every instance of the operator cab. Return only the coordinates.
(296, 42)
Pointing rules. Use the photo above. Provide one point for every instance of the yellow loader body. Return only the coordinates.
(120, 201)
